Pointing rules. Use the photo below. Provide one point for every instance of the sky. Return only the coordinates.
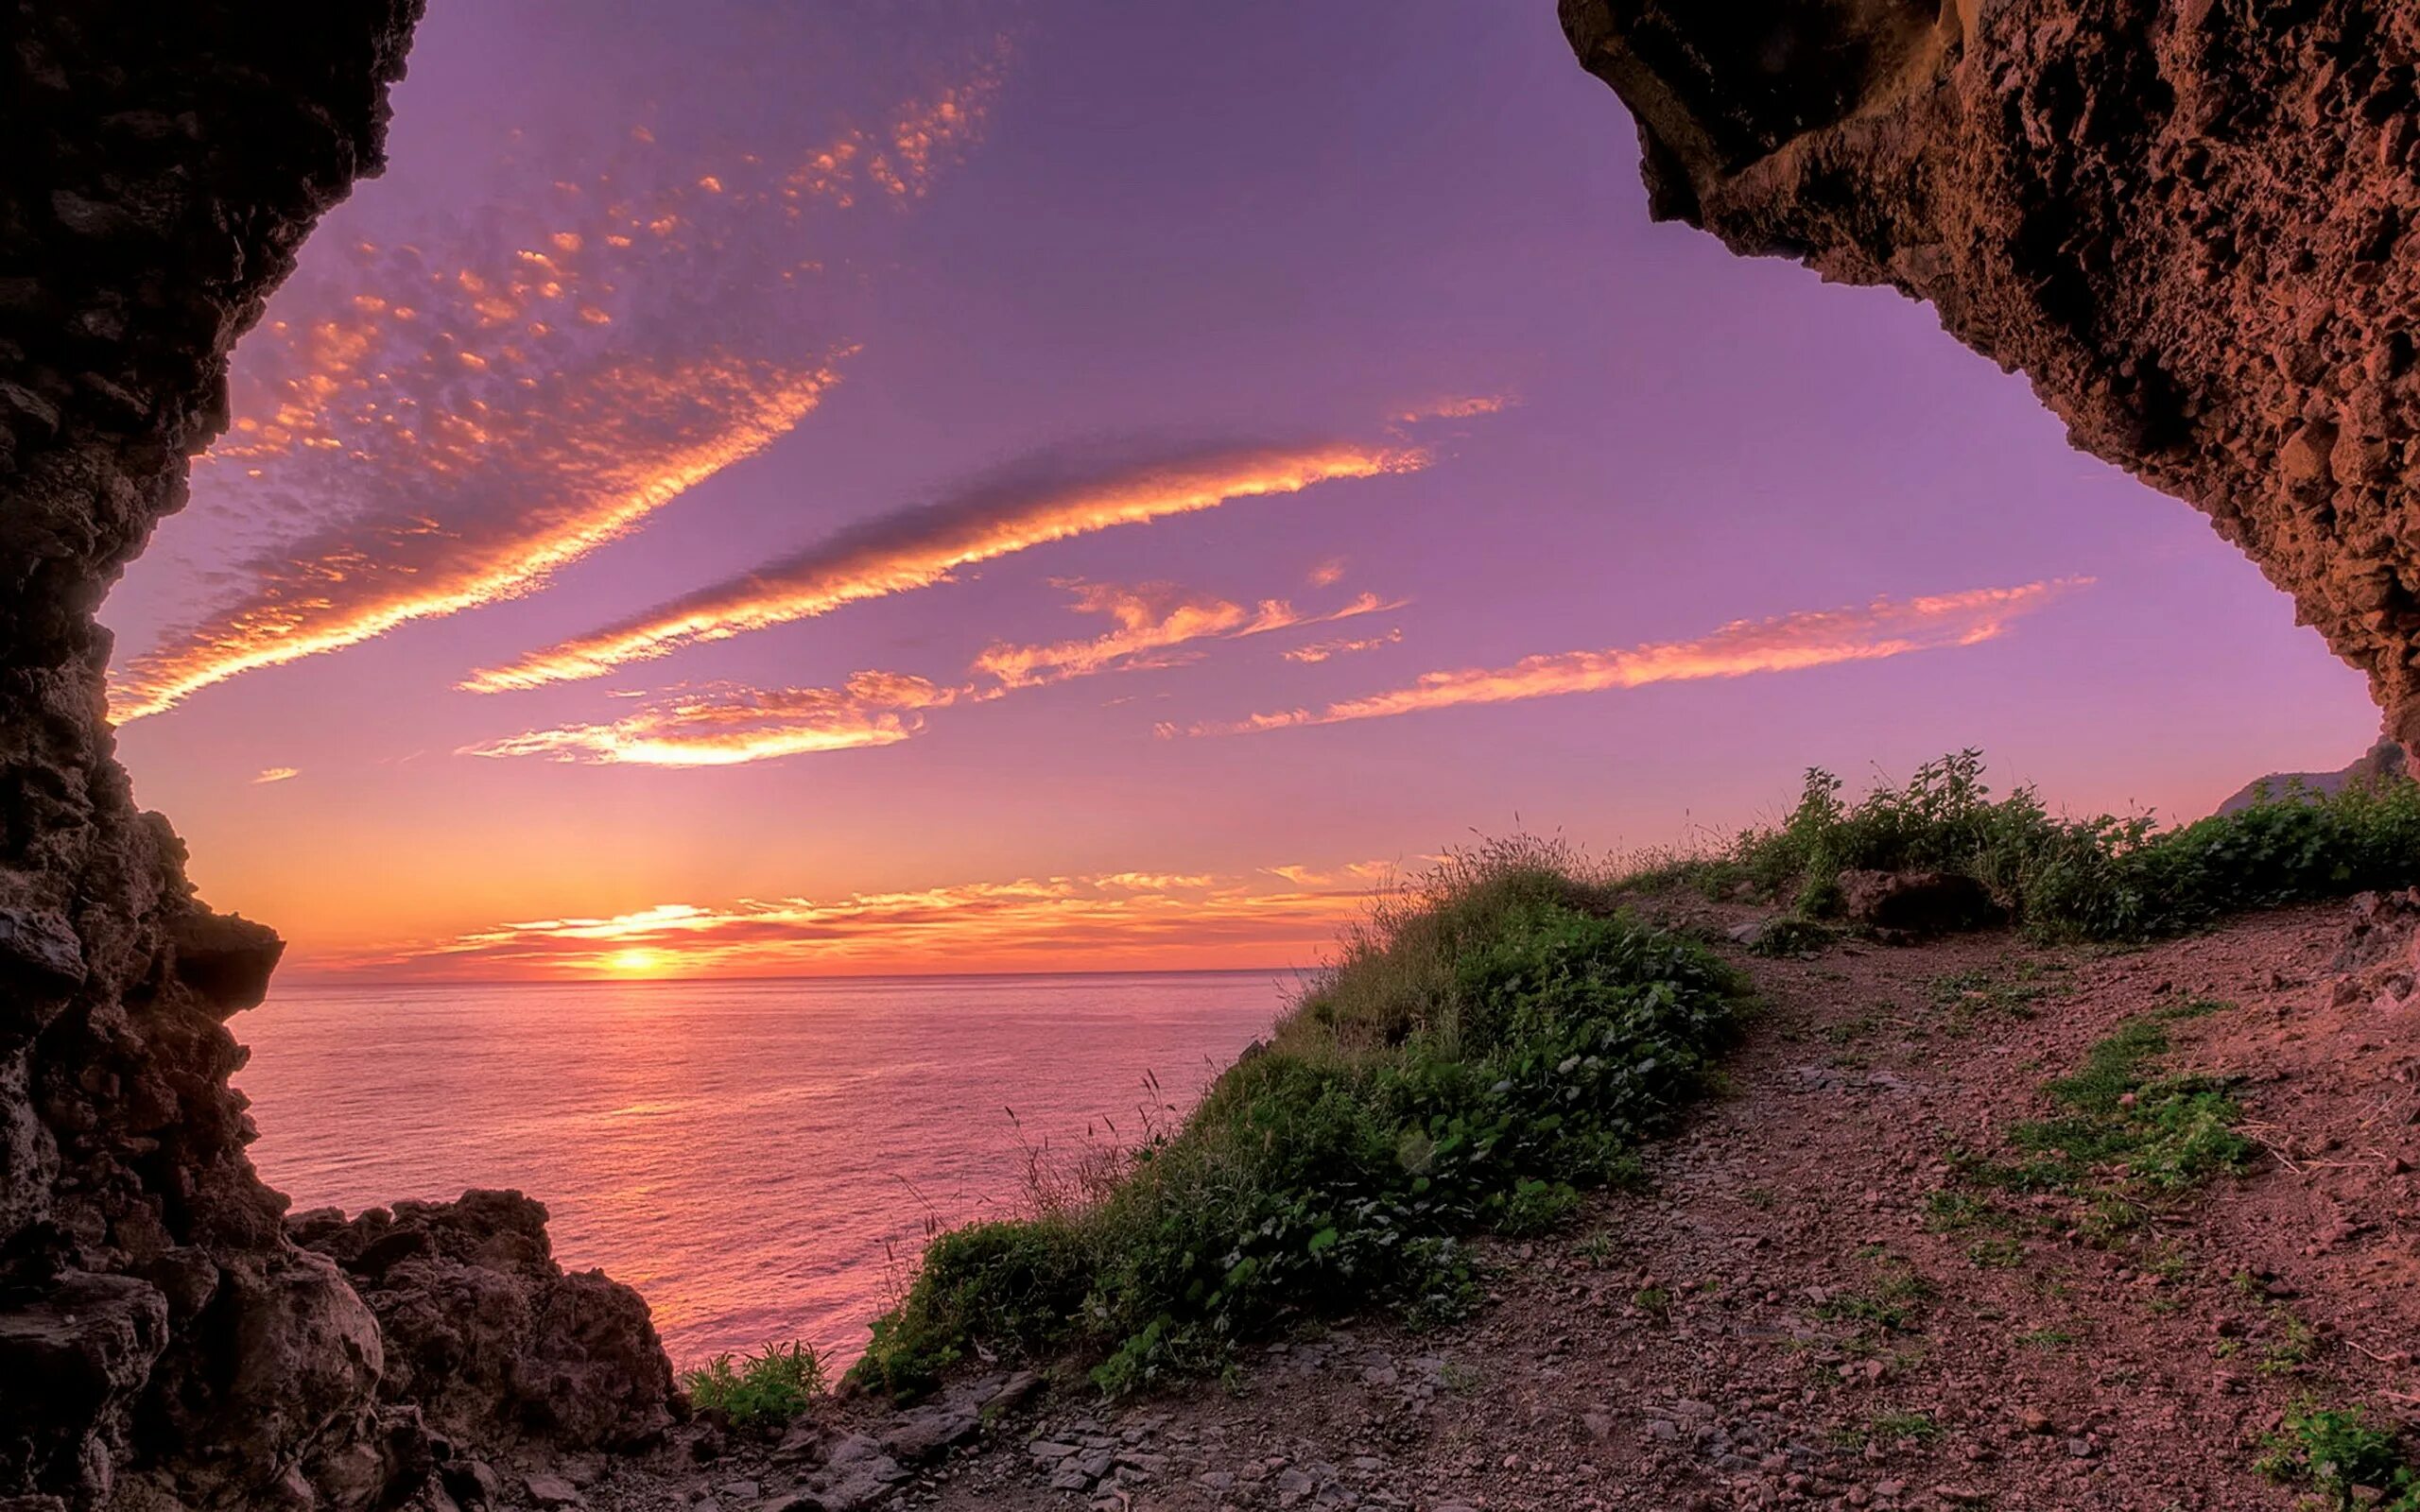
(768, 488)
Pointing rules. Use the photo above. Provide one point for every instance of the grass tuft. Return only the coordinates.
(769, 1388)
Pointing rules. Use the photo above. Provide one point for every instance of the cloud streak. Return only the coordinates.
(1788, 643)
(444, 419)
(1041, 503)
(727, 725)
(1328, 650)
(1150, 618)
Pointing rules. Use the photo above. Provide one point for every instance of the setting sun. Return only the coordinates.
(633, 962)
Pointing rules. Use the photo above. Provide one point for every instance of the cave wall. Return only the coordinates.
(165, 164)
(163, 1344)
(2190, 222)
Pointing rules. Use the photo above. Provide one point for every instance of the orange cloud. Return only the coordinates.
(1457, 406)
(918, 548)
(1141, 918)
(1323, 650)
(1326, 574)
(1886, 627)
(728, 726)
(277, 774)
(435, 423)
(1150, 617)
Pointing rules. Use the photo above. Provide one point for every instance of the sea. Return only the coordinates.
(763, 1159)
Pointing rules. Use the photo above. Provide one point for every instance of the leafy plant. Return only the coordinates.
(2339, 1453)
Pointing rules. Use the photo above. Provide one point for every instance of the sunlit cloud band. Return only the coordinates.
(1788, 643)
(918, 548)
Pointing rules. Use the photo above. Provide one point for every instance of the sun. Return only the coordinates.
(636, 962)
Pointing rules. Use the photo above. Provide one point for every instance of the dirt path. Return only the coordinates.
(1815, 1303)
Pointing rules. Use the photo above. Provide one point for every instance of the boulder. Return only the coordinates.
(488, 1337)
(71, 1363)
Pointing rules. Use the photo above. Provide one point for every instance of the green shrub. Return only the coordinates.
(1489, 1043)
(2344, 1457)
(2106, 877)
(767, 1389)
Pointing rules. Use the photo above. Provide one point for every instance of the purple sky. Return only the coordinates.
(969, 285)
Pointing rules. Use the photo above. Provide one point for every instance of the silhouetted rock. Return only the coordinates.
(2190, 224)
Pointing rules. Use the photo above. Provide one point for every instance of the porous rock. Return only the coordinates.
(2190, 222)
(488, 1337)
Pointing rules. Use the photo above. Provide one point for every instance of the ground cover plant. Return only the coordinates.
(2123, 1134)
(1492, 1040)
(2105, 877)
(2345, 1457)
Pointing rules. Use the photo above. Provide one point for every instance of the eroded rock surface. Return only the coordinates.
(162, 1344)
(2190, 223)
(488, 1337)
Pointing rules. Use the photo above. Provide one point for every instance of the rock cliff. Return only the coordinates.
(161, 1343)
(2190, 222)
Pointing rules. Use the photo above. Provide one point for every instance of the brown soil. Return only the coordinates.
(1788, 1315)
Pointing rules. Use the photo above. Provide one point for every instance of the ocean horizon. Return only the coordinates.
(764, 1159)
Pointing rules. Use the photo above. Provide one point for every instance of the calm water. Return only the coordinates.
(740, 1152)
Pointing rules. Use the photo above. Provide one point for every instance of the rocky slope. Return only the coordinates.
(161, 1343)
(2190, 223)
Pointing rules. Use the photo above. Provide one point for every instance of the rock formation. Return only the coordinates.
(161, 1343)
(487, 1336)
(2190, 223)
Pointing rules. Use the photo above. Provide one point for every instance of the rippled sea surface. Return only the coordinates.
(760, 1159)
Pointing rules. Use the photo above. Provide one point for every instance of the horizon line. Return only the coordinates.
(333, 979)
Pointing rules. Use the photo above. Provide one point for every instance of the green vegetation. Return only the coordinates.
(2001, 1253)
(2170, 1133)
(1890, 1301)
(767, 1389)
(2109, 877)
(1489, 1043)
(2123, 1135)
(2340, 1455)
(1889, 1426)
